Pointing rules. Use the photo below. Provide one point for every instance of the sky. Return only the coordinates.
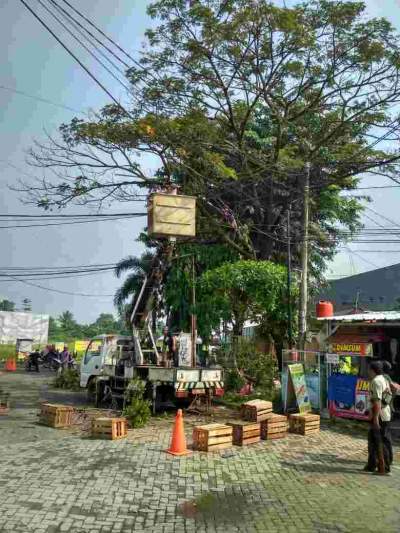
(33, 62)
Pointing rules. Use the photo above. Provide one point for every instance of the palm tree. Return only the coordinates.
(139, 267)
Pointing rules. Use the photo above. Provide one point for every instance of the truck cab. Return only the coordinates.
(102, 351)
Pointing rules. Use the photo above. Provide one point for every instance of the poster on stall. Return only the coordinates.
(313, 387)
(298, 382)
(348, 396)
(361, 405)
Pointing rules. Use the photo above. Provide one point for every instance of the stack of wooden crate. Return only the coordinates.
(212, 437)
(256, 410)
(56, 416)
(109, 428)
(245, 432)
(304, 423)
(275, 427)
(4, 403)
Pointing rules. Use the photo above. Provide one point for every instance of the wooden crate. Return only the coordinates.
(256, 410)
(212, 437)
(276, 427)
(109, 428)
(304, 424)
(245, 432)
(56, 416)
(4, 403)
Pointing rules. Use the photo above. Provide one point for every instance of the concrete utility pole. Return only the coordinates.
(304, 261)
(289, 281)
(194, 317)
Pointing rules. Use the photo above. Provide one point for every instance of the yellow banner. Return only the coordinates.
(356, 348)
(80, 346)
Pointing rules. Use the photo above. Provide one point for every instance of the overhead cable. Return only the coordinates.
(106, 91)
(60, 291)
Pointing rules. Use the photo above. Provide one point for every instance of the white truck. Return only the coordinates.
(111, 361)
(109, 365)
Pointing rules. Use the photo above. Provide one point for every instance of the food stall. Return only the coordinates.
(350, 341)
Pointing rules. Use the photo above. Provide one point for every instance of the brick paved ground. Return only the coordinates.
(56, 480)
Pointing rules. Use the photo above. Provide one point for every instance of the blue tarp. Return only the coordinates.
(342, 388)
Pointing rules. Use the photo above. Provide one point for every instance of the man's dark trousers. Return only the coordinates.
(379, 445)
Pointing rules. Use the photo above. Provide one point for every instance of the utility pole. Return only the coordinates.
(289, 282)
(194, 317)
(304, 261)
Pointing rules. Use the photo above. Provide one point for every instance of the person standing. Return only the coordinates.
(394, 389)
(33, 361)
(65, 358)
(169, 346)
(379, 441)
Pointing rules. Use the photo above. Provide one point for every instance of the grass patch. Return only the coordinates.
(6, 351)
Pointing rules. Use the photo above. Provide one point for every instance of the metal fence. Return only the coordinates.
(316, 376)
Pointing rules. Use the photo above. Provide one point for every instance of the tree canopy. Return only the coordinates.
(233, 98)
(244, 290)
(66, 328)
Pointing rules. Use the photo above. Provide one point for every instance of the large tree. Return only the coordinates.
(233, 97)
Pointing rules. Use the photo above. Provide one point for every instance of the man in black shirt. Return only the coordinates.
(169, 346)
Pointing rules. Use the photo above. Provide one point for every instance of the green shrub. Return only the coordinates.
(243, 358)
(233, 380)
(68, 379)
(137, 410)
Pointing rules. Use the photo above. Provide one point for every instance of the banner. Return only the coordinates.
(361, 405)
(348, 396)
(185, 349)
(19, 325)
(80, 346)
(297, 377)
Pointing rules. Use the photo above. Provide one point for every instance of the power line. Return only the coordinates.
(89, 33)
(50, 274)
(383, 216)
(77, 215)
(376, 187)
(37, 17)
(379, 251)
(101, 32)
(54, 268)
(61, 276)
(60, 291)
(362, 258)
(39, 99)
(64, 223)
(90, 52)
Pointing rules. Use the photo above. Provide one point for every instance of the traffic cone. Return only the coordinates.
(178, 441)
(10, 365)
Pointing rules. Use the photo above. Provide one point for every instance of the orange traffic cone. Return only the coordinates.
(178, 441)
(10, 365)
